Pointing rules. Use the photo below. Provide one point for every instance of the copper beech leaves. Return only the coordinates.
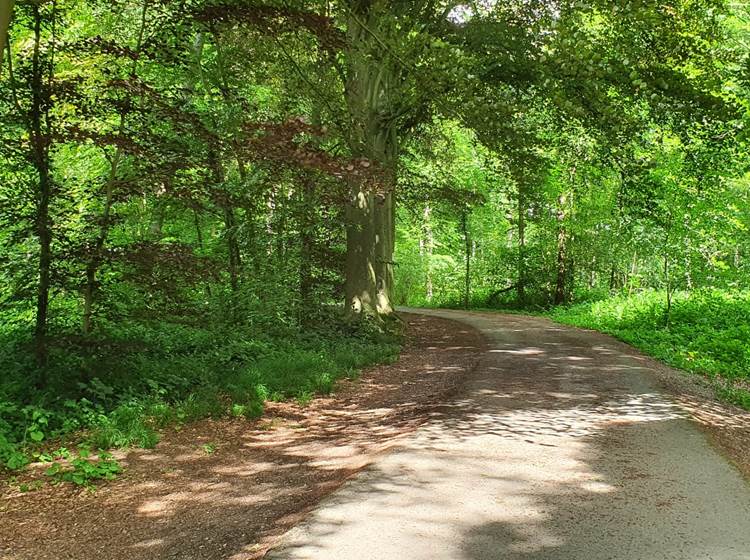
(273, 19)
(290, 143)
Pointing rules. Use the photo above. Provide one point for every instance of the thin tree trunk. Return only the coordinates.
(668, 282)
(560, 294)
(95, 260)
(199, 236)
(40, 152)
(467, 257)
(562, 254)
(688, 269)
(307, 243)
(633, 272)
(270, 215)
(521, 284)
(429, 248)
(230, 226)
(231, 101)
(281, 227)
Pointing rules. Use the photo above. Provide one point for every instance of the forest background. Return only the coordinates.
(206, 205)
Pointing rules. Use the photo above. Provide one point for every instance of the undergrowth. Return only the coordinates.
(707, 332)
(135, 378)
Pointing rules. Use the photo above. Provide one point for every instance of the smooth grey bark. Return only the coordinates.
(370, 214)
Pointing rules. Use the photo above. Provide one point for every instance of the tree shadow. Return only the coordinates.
(556, 450)
(228, 488)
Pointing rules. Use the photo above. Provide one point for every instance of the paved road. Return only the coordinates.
(560, 447)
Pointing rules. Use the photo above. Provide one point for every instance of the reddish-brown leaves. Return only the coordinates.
(286, 143)
(104, 46)
(272, 19)
(163, 266)
(75, 133)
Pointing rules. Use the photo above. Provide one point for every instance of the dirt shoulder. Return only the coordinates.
(179, 501)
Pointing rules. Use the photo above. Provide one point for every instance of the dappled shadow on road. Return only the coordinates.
(530, 489)
(225, 489)
(542, 457)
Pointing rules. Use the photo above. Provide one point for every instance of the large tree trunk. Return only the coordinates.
(360, 286)
(370, 215)
(370, 236)
(385, 238)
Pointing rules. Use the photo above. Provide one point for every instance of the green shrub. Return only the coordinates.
(126, 425)
(297, 371)
(82, 470)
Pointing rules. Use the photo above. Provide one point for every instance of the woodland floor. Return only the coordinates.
(569, 434)
(561, 444)
(178, 501)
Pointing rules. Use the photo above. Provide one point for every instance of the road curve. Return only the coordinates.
(559, 447)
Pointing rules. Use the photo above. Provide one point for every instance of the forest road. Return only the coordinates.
(559, 446)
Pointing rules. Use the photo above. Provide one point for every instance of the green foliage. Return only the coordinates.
(127, 424)
(208, 448)
(150, 375)
(10, 454)
(708, 332)
(175, 181)
(82, 469)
